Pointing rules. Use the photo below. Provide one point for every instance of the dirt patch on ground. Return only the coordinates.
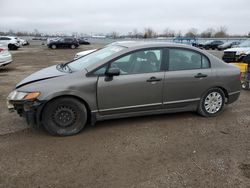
(173, 150)
(245, 169)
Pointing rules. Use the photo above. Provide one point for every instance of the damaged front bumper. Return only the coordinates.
(30, 110)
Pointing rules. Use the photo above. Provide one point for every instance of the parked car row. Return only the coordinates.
(13, 43)
(5, 56)
(216, 45)
(66, 42)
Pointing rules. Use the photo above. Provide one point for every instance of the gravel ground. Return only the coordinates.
(173, 150)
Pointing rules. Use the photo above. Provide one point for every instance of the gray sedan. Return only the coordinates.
(124, 80)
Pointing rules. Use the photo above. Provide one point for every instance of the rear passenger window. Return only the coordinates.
(205, 62)
(181, 59)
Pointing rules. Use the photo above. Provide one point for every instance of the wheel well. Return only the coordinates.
(69, 96)
(225, 91)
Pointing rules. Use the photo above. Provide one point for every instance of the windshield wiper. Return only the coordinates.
(62, 66)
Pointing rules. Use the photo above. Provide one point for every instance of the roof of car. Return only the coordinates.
(134, 44)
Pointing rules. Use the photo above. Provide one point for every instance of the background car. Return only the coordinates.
(23, 42)
(198, 44)
(212, 44)
(131, 79)
(11, 42)
(84, 41)
(68, 42)
(228, 45)
(5, 56)
(237, 54)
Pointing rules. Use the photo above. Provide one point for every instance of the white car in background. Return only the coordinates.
(83, 53)
(11, 42)
(5, 56)
(23, 42)
(238, 53)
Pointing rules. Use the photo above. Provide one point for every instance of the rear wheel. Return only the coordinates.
(245, 85)
(72, 46)
(12, 47)
(53, 46)
(212, 103)
(64, 116)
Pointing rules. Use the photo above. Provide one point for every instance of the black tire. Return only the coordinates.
(73, 46)
(12, 47)
(53, 46)
(64, 116)
(245, 85)
(203, 108)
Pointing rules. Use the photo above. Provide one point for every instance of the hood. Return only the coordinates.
(241, 49)
(46, 73)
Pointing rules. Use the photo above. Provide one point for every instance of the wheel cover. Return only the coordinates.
(213, 102)
(64, 116)
(244, 86)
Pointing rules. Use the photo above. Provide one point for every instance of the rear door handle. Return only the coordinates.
(200, 75)
(154, 79)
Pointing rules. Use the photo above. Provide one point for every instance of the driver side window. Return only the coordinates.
(145, 61)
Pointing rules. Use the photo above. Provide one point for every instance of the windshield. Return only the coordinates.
(245, 44)
(94, 57)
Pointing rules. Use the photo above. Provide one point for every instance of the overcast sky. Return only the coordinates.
(103, 16)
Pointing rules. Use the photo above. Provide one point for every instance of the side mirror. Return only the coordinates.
(113, 72)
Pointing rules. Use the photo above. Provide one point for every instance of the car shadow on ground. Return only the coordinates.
(138, 121)
(130, 122)
(5, 69)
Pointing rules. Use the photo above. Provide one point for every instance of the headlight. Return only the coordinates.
(17, 95)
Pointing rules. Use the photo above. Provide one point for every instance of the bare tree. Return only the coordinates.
(149, 33)
(178, 34)
(114, 34)
(168, 33)
(192, 33)
(221, 32)
(36, 33)
(208, 33)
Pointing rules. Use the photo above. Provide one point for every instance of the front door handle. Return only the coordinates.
(200, 75)
(154, 79)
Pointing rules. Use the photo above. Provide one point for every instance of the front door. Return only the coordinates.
(139, 86)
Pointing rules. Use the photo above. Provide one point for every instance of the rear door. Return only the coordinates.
(139, 87)
(189, 75)
(68, 42)
(4, 40)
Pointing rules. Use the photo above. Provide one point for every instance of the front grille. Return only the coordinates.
(229, 56)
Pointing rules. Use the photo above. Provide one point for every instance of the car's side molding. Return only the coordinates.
(129, 107)
(147, 105)
(182, 101)
(232, 93)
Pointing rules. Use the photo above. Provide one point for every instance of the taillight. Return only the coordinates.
(240, 76)
(1, 50)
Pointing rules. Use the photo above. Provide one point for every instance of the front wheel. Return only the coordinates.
(211, 103)
(72, 46)
(64, 116)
